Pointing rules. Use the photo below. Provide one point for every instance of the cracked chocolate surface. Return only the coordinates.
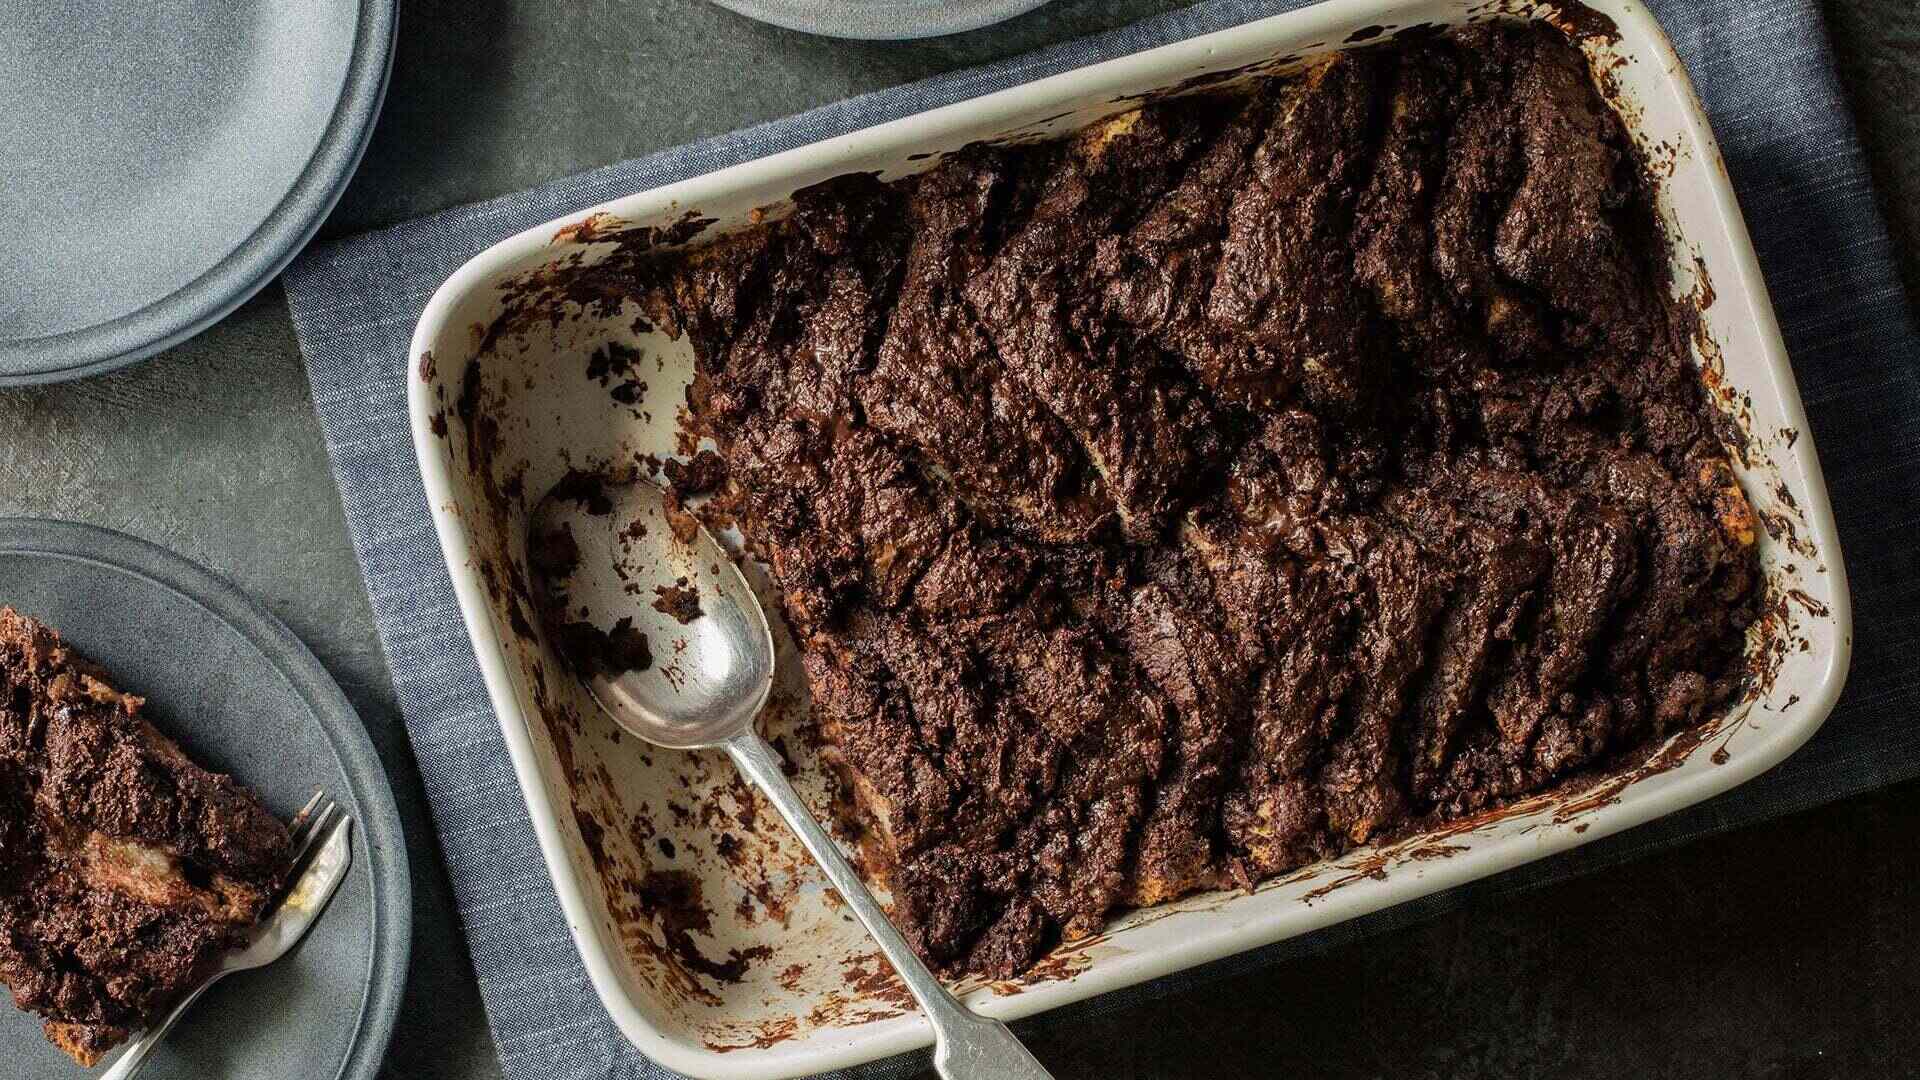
(1249, 477)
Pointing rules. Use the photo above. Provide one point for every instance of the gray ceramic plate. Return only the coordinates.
(164, 161)
(888, 20)
(243, 696)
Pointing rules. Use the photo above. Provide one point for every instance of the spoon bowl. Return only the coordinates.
(606, 551)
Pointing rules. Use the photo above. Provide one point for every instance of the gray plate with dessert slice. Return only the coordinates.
(243, 696)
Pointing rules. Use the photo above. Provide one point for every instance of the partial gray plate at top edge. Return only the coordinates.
(881, 20)
(164, 161)
(245, 697)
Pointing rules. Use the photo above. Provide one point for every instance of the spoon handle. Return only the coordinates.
(965, 1045)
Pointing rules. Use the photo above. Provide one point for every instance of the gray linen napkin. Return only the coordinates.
(1765, 72)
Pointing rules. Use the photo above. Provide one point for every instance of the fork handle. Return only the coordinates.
(966, 1044)
(134, 1058)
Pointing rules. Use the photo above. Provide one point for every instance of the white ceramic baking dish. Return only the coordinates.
(636, 840)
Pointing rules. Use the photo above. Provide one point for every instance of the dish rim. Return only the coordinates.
(1122, 74)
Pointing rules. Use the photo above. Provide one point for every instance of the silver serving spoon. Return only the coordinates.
(611, 568)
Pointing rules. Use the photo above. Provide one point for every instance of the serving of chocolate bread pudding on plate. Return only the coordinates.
(126, 870)
(1254, 475)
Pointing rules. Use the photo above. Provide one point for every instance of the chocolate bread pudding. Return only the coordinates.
(1251, 476)
(126, 870)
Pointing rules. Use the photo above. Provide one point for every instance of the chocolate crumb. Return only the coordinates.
(611, 359)
(673, 897)
(679, 601)
(705, 472)
(555, 555)
(591, 651)
(589, 489)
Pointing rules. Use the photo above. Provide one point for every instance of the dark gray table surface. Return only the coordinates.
(1789, 949)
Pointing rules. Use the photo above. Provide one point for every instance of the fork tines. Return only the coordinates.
(307, 829)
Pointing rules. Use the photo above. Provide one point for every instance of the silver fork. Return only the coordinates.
(322, 851)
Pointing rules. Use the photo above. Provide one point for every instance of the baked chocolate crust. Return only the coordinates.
(125, 869)
(1246, 478)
